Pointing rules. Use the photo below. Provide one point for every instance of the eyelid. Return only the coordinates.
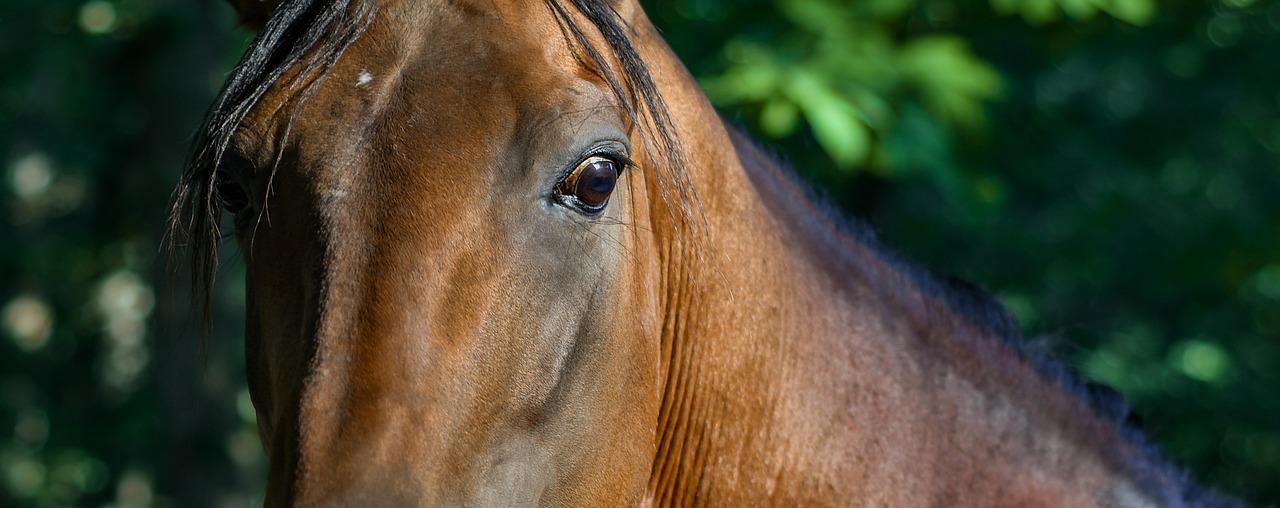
(621, 160)
(235, 165)
(618, 156)
(611, 149)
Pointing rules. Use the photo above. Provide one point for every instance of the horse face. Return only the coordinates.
(447, 259)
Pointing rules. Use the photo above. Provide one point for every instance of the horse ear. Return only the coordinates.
(254, 13)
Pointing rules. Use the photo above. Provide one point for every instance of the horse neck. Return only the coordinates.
(802, 363)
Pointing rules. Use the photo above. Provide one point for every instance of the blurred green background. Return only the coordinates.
(1109, 168)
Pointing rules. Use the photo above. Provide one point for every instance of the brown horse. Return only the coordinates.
(506, 253)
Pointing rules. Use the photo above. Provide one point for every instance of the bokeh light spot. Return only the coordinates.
(24, 475)
(125, 302)
(1224, 30)
(245, 449)
(31, 427)
(98, 17)
(134, 490)
(31, 175)
(1202, 360)
(89, 475)
(244, 407)
(29, 321)
(1267, 282)
(1106, 366)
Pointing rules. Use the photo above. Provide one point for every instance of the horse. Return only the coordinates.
(507, 253)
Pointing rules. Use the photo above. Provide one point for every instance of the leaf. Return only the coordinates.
(1137, 12)
(743, 83)
(952, 81)
(836, 122)
(1036, 12)
(889, 9)
(815, 16)
(778, 117)
(1079, 9)
(840, 133)
(1039, 12)
(876, 110)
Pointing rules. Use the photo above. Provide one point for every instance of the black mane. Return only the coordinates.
(307, 34)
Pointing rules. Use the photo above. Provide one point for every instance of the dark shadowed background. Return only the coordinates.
(1110, 169)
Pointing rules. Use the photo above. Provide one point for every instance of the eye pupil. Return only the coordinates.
(598, 178)
(592, 183)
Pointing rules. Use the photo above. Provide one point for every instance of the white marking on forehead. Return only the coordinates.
(363, 78)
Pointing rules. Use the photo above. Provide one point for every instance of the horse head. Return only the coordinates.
(446, 215)
(478, 273)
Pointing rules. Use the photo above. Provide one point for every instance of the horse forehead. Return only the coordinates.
(490, 59)
(517, 35)
(432, 62)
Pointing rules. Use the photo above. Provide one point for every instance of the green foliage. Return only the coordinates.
(950, 81)
(1138, 12)
(1107, 167)
(841, 69)
(103, 398)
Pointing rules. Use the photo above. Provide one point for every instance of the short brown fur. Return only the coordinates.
(428, 326)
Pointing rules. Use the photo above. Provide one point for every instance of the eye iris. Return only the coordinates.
(595, 183)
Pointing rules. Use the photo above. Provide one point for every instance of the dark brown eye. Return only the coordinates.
(230, 194)
(590, 184)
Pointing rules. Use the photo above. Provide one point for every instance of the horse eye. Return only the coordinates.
(230, 194)
(591, 183)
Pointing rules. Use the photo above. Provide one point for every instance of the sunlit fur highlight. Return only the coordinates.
(304, 39)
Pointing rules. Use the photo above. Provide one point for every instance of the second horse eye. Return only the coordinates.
(230, 194)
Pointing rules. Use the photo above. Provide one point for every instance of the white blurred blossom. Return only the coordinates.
(134, 490)
(31, 175)
(98, 17)
(124, 301)
(29, 321)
